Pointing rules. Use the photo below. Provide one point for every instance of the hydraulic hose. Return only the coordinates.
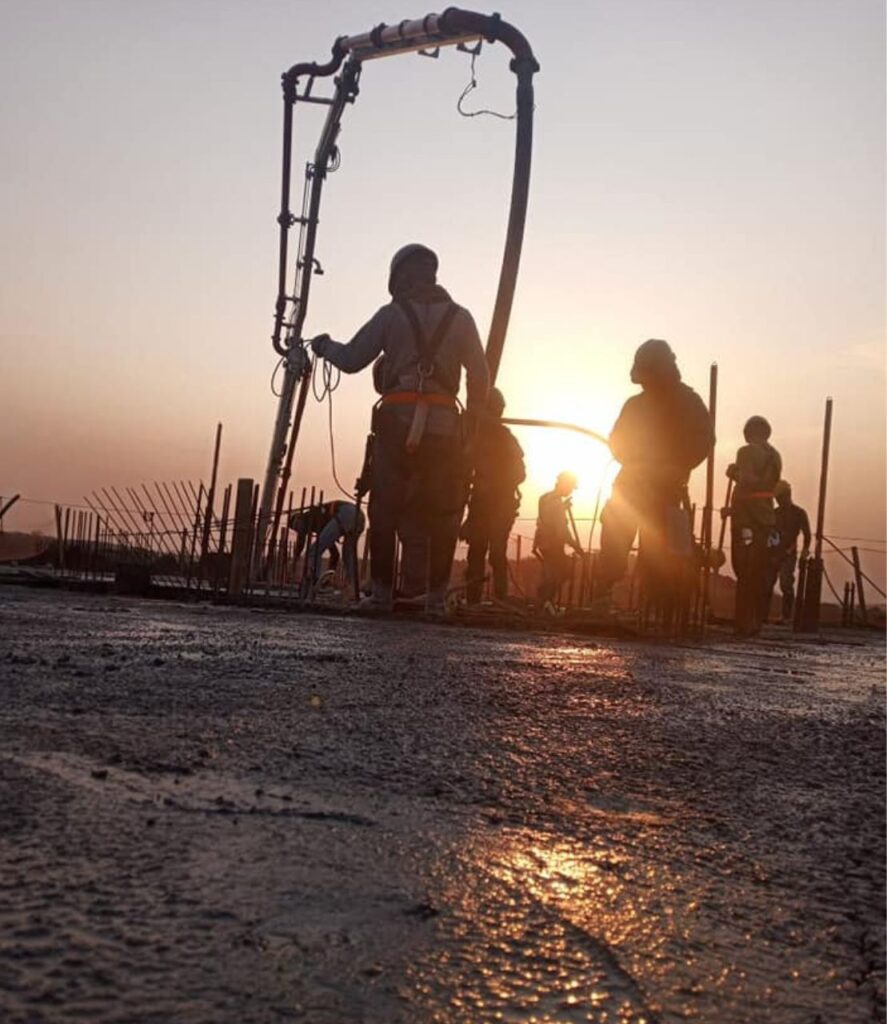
(557, 425)
(524, 65)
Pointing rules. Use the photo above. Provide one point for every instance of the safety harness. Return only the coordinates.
(426, 349)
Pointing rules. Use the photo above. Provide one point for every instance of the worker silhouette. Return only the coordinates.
(659, 437)
(754, 541)
(791, 522)
(555, 532)
(495, 499)
(328, 523)
(421, 341)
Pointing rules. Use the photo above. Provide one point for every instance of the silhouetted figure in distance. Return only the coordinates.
(495, 499)
(553, 533)
(753, 536)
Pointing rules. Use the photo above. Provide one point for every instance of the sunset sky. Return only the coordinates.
(709, 173)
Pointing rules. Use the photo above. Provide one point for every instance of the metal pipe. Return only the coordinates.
(286, 471)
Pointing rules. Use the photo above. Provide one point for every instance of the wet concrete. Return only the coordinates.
(221, 815)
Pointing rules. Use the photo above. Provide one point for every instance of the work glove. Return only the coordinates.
(318, 344)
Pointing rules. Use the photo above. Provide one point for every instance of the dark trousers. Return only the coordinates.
(417, 497)
(556, 568)
(750, 557)
(488, 534)
(664, 530)
(782, 568)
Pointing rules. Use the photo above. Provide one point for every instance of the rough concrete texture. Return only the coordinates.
(220, 815)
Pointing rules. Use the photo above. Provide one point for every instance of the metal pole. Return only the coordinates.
(823, 478)
(708, 510)
(813, 595)
(860, 593)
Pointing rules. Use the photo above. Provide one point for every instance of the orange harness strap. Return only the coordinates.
(414, 397)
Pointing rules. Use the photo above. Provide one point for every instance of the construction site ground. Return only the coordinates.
(221, 814)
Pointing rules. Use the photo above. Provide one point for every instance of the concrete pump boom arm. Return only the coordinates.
(349, 53)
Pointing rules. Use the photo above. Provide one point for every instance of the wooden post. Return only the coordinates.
(860, 593)
(813, 596)
(59, 539)
(241, 537)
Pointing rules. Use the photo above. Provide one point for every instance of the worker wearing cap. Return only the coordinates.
(660, 436)
(495, 499)
(420, 342)
(554, 532)
(791, 522)
(753, 534)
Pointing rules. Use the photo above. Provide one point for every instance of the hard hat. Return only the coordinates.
(566, 477)
(756, 426)
(653, 359)
(495, 402)
(406, 252)
(783, 489)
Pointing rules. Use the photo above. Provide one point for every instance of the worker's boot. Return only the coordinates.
(380, 599)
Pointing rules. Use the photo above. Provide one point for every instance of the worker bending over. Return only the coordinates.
(753, 536)
(660, 436)
(418, 476)
(791, 522)
(554, 532)
(328, 523)
(495, 500)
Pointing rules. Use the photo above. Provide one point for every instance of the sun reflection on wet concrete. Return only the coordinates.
(534, 933)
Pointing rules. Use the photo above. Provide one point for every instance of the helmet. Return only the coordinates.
(654, 360)
(406, 252)
(495, 402)
(758, 427)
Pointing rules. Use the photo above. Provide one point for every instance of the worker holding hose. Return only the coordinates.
(418, 476)
(660, 436)
(555, 531)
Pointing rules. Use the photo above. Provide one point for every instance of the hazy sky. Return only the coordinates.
(710, 173)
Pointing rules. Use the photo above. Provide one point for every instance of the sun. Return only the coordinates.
(548, 451)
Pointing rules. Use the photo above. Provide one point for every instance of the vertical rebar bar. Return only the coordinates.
(211, 496)
(814, 570)
(857, 571)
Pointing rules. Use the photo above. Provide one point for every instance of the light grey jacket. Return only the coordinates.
(389, 333)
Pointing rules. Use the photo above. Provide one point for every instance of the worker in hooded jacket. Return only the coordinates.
(753, 535)
(660, 436)
(420, 341)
